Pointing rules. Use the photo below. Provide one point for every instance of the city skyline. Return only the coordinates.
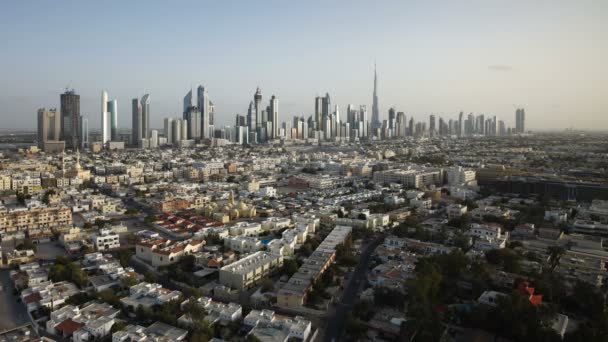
(310, 171)
(421, 71)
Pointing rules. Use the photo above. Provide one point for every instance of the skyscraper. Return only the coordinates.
(336, 122)
(105, 122)
(205, 109)
(251, 118)
(257, 106)
(520, 121)
(460, 124)
(153, 139)
(49, 126)
(318, 112)
(113, 119)
(375, 106)
(326, 107)
(193, 117)
(169, 130)
(84, 132)
(188, 102)
(145, 116)
(70, 117)
(274, 116)
(136, 123)
(176, 131)
(401, 125)
(391, 117)
(363, 121)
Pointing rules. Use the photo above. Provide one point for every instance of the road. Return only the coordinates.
(13, 314)
(334, 330)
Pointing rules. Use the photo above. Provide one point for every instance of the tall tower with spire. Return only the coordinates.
(375, 107)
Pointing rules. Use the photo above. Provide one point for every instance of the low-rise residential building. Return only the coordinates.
(245, 229)
(161, 252)
(23, 219)
(158, 331)
(417, 179)
(29, 275)
(243, 244)
(491, 211)
(250, 270)
(429, 248)
(18, 257)
(267, 326)
(275, 223)
(48, 294)
(556, 215)
(105, 240)
(590, 227)
(148, 295)
(456, 211)
(488, 236)
(293, 293)
(92, 321)
(217, 312)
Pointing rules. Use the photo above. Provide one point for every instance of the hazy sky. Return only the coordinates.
(434, 57)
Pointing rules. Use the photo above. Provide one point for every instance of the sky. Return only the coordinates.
(433, 57)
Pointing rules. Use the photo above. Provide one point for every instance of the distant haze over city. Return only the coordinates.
(433, 57)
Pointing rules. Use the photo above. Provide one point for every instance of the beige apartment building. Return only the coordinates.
(250, 270)
(22, 220)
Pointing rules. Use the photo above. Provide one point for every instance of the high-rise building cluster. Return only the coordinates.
(69, 129)
(140, 121)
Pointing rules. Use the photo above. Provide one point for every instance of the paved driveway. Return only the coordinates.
(12, 313)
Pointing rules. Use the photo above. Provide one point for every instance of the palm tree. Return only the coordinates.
(555, 254)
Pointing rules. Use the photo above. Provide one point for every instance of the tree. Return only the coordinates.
(79, 299)
(117, 326)
(306, 249)
(149, 219)
(124, 256)
(290, 267)
(128, 281)
(462, 241)
(213, 239)
(194, 311)
(46, 196)
(267, 285)
(191, 292)
(150, 277)
(100, 223)
(516, 319)
(87, 249)
(201, 330)
(143, 314)
(132, 212)
(26, 244)
(252, 338)
(505, 257)
(110, 297)
(363, 310)
(131, 238)
(389, 297)
(64, 270)
(555, 254)
(424, 288)
(355, 327)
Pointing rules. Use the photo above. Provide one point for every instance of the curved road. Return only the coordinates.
(334, 329)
